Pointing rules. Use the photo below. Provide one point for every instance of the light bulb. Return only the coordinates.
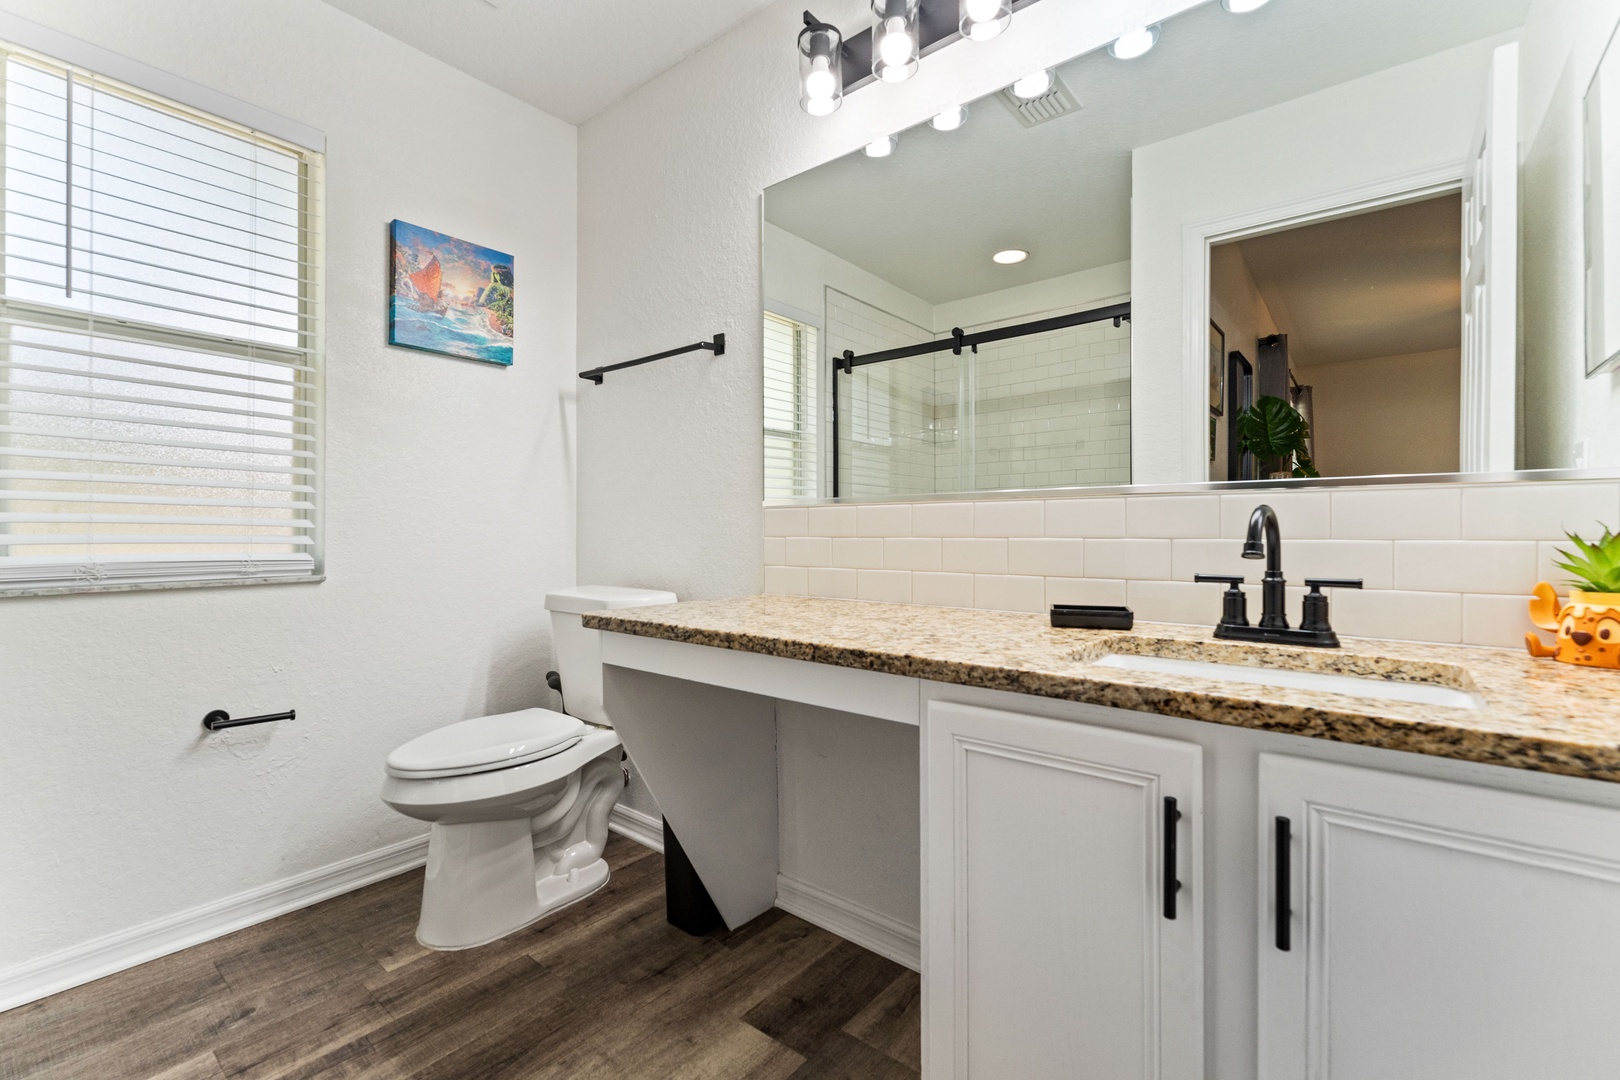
(949, 118)
(820, 82)
(820, 106)
(1010, 256)
(1033, 85)
(1134, 43)
(985, 10)
(1242, 7)
(894, 47)
(882, 146)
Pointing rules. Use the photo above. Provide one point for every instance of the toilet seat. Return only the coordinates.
(486, 744)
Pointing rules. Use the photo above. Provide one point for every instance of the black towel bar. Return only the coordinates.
(717, 346)
(219, 719)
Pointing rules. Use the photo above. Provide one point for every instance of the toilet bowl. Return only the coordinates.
(518, 802)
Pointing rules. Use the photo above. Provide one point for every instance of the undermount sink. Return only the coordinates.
(1417, 691)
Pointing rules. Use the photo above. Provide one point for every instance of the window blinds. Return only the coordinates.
(159, 337)
(790, 395)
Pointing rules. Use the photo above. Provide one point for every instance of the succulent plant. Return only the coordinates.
(1593, 567)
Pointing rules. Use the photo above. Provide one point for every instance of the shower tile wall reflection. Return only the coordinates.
(1045, 410)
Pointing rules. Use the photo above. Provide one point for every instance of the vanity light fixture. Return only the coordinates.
(882, 146)
(821, 67)
(1243, 7)
(1033, 85)
(1134, 43)
(1010, 256)
(949, 118)
(984, 19)
(896, 40)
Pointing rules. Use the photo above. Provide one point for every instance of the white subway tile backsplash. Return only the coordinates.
(786, 521)
(832, 581)
(1137, 559)
(858, 552)
(788, 580)
(1416, 513)
(1061, 590)
(942, 590)
(1189, 558)
(883, 520)
(808, 551)
(1405, 616)
(1174, 602)
(1085, 517)
(974, 555)
(1005, 592)
(1497, 620)
(1046, 556)
(1009, 517)
(1475, 566)
(1303, 515)
(1450, 563)
(889, 586)
(831, 521)
(1173, 516)
(1539, 511)
(942, 519)
(911, 553)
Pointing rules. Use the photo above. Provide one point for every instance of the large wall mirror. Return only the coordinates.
(1346, 238)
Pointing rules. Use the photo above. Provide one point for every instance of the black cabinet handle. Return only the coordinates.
(1285, 873)
(1171, 885)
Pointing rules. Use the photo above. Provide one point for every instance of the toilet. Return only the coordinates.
(519, 802)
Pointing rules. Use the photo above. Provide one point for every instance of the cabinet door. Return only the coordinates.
(1437, 930)
(1051, 946)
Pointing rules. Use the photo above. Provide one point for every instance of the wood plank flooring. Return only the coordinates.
(604, 989)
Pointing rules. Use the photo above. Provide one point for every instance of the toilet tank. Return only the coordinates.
(579, 651)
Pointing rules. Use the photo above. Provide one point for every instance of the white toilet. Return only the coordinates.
(519, 802)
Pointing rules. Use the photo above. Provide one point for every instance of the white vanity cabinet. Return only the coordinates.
(1050, 950)
(1437, 930)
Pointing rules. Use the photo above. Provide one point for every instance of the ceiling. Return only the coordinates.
(568, 58)
(929, 217)
(1388, 283)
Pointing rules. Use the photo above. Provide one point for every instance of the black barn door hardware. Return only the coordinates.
(847, 362)
(1285, 873)
(717, 346)
(1171, 886)
(219, 719)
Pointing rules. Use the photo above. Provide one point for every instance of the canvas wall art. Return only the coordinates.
(449, 296)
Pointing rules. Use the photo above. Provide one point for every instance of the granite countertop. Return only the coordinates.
(1535, 714)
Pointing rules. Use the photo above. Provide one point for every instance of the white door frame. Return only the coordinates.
(1199, 237)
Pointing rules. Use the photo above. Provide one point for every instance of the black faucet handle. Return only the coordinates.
(1234, 604)
(1217, 579)
(1318, 584)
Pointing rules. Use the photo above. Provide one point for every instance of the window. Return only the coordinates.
(790, 413)
(159, 340)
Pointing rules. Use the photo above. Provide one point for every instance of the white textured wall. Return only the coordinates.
(449, 503)
(1388, 125)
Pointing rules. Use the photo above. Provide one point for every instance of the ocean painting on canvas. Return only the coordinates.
(449, 296)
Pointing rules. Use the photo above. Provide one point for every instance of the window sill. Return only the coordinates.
(147, 586)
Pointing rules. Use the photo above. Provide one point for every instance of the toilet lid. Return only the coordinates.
(487, 743)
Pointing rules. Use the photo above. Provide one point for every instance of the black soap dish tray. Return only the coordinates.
(1092, 617)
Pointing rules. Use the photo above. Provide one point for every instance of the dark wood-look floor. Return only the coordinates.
(604, 989)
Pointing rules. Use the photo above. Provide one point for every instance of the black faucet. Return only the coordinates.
(1264, 541)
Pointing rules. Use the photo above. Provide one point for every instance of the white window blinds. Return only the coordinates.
(790, 414)
(159, 336)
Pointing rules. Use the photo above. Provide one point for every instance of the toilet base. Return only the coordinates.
(485, 923)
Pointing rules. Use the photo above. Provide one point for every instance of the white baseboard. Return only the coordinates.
(52, 974)
(644, 829)
(851, 921)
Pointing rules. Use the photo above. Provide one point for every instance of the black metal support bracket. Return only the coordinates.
(219, 719)
(717, 346)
